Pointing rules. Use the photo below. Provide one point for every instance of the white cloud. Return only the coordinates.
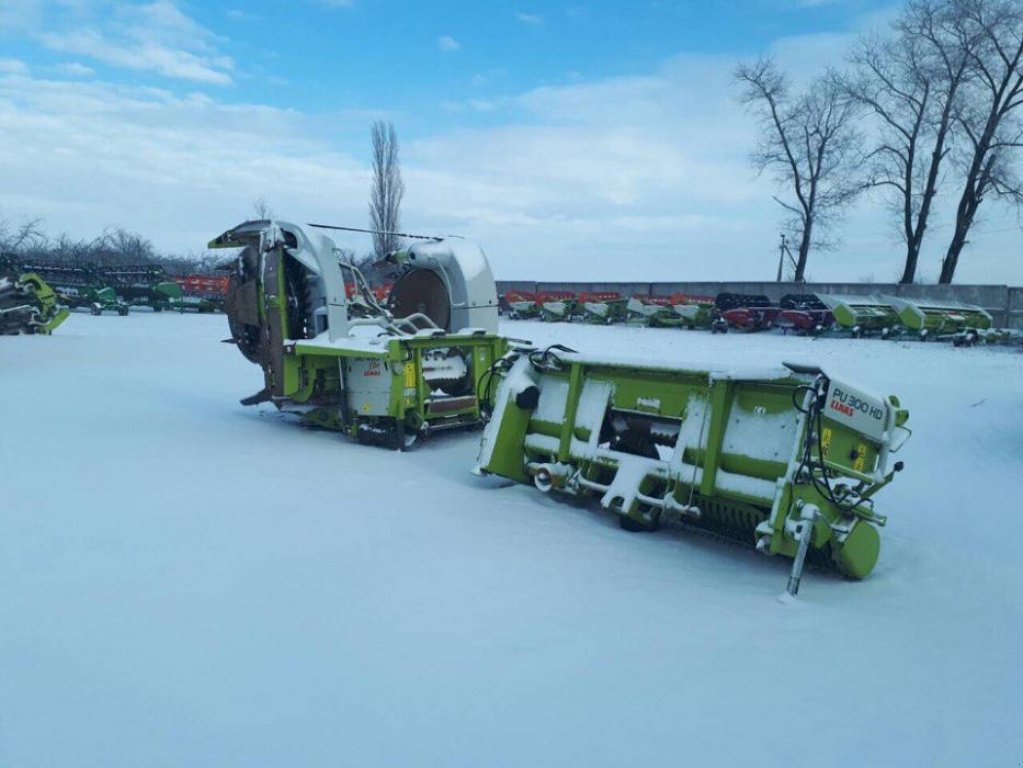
(155, 36)
(236, 14)
(532, 19)
(178, 168)
(75, 69)
(13, 67)
(20, 15)
(448, 44)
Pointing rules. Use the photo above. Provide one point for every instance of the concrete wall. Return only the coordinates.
(1015, 309)
(1004, 303)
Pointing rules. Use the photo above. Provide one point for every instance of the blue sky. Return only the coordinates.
(580, 139)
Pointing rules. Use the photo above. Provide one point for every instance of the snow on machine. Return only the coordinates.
(602, 307)
(787, 460)
(557, 306)
(521, 305)
(745, 312)
(804, 313)
(928, 318)
(384, 375)
(860, 316)
(677, 311)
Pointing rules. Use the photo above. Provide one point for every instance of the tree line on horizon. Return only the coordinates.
(931, 104)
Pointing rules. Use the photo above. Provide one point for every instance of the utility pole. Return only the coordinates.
(783, 251)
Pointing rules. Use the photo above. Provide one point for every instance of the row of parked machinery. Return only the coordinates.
(788, 460)
(99, 289)
(809, 314)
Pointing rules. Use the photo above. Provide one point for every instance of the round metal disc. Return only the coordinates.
(422, 291)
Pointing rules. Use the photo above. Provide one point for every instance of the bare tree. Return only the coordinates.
(387, 191)
(809, 142)
(17, 240)
(912, 84)
(262, 209)
(990, 33)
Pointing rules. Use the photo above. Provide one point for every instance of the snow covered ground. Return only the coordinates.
(186, 582)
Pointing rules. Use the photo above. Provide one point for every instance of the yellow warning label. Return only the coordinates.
(410, 375)
(826, 440)
(861, 457)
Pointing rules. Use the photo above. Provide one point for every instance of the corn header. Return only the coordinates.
(786, 460)
(382, 374)
(521, 305)
(602, 307)
(677, 311)
(557, 306)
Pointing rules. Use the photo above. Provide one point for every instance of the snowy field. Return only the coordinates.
(187, 582)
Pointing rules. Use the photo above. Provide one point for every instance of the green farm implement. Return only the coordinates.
(602, 307)
(79, 286)
(142, 285)
(786, 460)
(677, 311)
(695, 311)
(521, 305)
(384, 375)
(863, 315)
(557, 306)
(28, 305)
(928, 318)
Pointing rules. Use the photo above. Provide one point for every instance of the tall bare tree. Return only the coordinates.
(387, 191)
(16, 240)
(990, 32)
(809, 142)
(912, 84)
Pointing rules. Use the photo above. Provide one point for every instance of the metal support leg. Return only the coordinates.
(809, 515)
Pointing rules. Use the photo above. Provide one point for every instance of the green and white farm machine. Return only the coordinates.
(787, 460)
(557, 306)
(896, 317)
(382, 374)
(602, 307)
(27, 304)
(677, 311)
